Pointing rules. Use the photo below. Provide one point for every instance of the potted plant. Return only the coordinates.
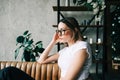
(95, 5)
(30, 50)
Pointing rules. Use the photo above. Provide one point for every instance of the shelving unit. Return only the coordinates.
(95, 51)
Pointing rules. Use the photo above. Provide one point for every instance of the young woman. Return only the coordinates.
(73, 60)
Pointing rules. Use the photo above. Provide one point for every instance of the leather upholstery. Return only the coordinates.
(38, 71)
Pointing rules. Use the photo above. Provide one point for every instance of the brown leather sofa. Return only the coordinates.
(38, 71)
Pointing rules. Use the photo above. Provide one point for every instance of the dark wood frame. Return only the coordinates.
(107, 39)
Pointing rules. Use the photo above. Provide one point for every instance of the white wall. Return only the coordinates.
(16, 16)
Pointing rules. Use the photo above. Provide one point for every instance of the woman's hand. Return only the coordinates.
(55, 38)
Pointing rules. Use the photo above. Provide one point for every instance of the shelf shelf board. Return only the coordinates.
(94, 26)
(112, 2)
(96, 44)
(71, 8)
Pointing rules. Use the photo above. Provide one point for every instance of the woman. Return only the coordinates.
(73, 60)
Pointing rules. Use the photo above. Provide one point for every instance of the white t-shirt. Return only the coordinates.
(66, 56)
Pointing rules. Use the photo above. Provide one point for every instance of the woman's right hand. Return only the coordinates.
(55, 38)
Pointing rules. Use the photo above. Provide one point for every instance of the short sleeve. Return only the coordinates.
(83, 45)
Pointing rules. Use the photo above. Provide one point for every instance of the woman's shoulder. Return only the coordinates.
(82, 43)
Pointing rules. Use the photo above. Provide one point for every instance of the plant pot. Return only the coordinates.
(26, 55)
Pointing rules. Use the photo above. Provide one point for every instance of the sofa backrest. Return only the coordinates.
(38, 71)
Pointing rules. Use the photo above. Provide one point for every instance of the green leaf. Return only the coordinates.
(28, 48)
(30, 42)
(74, 1)
(29, 35)
(17, 52)
(38, 42)
(25, 41)
(89, 6)
(22, 58)
(94, 1)
(32, 57)
(20, 39)
(26, 32)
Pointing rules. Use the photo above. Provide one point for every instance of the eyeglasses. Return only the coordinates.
(62, 31)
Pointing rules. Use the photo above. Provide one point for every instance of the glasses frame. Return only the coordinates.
(62, 31)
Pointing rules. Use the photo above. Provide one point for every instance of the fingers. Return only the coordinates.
(55, 37)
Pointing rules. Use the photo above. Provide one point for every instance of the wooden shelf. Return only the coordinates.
(114, 2)
(115, 65)
(97, 61)
(94, 26)
(96, 44)
(71, 8)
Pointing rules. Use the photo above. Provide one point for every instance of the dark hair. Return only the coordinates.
(72, 23)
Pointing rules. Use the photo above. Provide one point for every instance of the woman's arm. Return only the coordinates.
(76, 65)
(46, 52)
(51, 58)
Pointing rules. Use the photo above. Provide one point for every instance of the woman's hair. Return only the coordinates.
(72, 23)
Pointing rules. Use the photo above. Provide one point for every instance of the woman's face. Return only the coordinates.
(64, 33)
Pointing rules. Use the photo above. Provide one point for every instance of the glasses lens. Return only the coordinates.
(61, 32)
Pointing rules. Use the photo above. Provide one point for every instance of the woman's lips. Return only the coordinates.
(60, 38)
